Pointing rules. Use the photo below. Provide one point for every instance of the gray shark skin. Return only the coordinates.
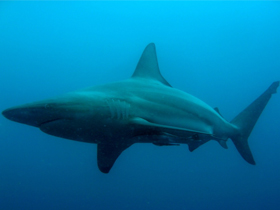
(141, 109)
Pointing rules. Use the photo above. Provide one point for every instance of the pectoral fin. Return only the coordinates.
(107, 154)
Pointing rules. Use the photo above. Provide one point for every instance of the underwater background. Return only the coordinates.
(225, 53)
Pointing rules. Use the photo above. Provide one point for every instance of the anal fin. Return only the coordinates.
(223, 144)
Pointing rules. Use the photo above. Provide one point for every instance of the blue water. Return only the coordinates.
(225, 53)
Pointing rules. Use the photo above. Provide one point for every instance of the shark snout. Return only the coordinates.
(34, 115)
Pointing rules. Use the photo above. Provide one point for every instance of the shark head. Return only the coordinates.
(62, 116)
(36, 114)
(67, 106)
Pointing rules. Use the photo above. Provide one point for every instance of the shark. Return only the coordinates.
(144, 108)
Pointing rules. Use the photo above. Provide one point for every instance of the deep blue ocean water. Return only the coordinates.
(225, 53)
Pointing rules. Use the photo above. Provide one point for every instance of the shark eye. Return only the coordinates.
(47, 106)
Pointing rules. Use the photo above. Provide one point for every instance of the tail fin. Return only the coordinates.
(246, 121)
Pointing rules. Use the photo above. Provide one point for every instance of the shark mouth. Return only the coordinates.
(48, 121)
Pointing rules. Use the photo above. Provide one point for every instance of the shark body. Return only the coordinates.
(142, 109)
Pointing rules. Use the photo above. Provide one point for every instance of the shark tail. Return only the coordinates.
(246, 120)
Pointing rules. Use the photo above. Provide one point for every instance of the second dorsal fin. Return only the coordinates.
(218, 111)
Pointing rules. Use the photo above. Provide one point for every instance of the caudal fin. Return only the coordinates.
(246, 121)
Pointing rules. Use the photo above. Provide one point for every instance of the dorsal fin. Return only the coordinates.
(218, 111)
(147, 66)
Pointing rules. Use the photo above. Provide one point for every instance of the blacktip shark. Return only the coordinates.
(141, 109)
